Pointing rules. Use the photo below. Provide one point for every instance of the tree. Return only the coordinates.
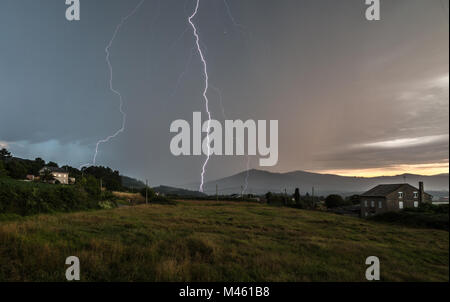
(47, 176)
(150, 193)
(73, 172)
(37, 165)
(334, 201)
(3, 171)
(91, 185)
(4, 154)
(354, 199)
(39, 161)
(16, 169)
(52, 164)
(297, 196)
(268, 196)
(111, 179)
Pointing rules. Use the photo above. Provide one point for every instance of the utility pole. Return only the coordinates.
(313, 201)
(242, 192)
(146, 191)
(285, 197)
(217, 192)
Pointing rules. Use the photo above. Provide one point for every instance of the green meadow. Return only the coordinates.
(216, 241)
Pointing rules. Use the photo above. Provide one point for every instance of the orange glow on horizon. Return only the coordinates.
(422, 169)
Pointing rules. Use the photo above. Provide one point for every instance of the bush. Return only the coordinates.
(108, 195)
(106, 204)
(23, 198)
(91, 185)
(429, 208)
(158, 199)
(334, 201)
(276, 199)
(154, 198)
(415, 218)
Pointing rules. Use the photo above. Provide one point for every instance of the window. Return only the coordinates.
(372, 204)
(400, 204)
(380, 204)
(365, 214)
(400, 194)
(416, 204)
(365, 203)
(416, 195)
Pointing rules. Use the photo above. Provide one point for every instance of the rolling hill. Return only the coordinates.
(135, 184)
(132, 183)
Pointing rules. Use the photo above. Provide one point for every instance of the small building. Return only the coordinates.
(392, 197)
(60, 175)
(30, 177)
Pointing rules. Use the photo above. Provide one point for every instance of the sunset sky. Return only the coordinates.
(352, 97)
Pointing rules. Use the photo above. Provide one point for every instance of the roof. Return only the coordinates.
(382, 190)
(54, 169)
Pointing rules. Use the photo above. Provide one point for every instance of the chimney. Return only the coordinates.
(421, 192)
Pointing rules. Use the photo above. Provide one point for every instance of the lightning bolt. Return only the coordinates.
(247, 35)
(205, 91)
(220, 98)
(237, 25)
(111, 86)
(182, 74)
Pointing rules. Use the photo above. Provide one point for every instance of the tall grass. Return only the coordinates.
(209, 241)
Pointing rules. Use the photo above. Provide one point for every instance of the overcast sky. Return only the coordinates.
(352, 97)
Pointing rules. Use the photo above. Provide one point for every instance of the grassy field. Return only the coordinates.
(210, 241)
(129, 198)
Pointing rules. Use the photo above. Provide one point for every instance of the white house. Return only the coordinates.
(59, 174)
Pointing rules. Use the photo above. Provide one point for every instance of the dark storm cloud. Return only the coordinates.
(337, 83)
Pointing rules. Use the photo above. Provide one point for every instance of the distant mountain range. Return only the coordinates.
(260, 182)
